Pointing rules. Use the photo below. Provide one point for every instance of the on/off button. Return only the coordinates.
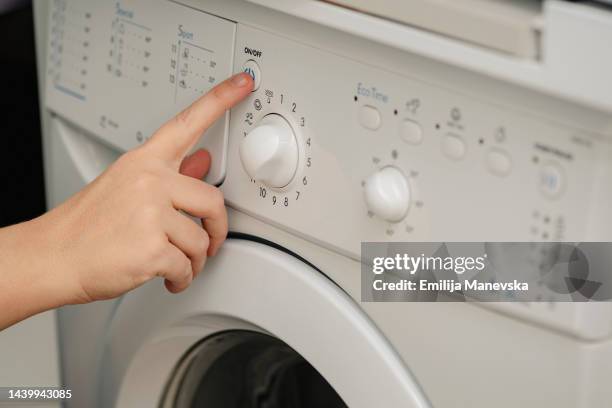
(252, 68)
(551, 180)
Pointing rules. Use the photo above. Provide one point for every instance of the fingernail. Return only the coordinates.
(240, 79)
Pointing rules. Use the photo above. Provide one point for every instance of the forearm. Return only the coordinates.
(32, 277)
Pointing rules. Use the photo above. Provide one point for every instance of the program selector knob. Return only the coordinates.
(270, 153)
(387, 194)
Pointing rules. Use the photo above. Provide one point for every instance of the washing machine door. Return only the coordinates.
(258, 328)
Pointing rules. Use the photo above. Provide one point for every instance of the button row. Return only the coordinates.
(497, 161)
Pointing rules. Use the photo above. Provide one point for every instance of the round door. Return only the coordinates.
(257, 328)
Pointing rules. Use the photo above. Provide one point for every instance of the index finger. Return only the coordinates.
(177, 136)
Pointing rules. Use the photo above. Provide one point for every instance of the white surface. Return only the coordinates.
(292, 301)
(28, 353)
(90, 157)
(29, 358)
(387, 194)
(269, 152)
(508, 26)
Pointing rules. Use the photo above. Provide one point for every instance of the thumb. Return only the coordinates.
(177, 136)
(196, 165)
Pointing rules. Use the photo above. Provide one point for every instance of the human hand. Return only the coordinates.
(125, 228)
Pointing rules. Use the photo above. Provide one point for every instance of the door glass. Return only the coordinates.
(245, 369)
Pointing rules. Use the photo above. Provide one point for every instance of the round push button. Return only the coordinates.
(498, 162)
(369, 117)
(252, 68)
(411, 132)
(551, 180)
(453, 147)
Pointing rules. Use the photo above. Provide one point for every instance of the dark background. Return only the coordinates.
(22, 194)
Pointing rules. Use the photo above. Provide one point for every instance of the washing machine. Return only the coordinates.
(500, 133)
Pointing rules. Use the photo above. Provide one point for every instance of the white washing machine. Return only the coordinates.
(500, 135)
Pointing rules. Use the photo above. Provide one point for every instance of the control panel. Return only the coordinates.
(121, 69)
(344, 152)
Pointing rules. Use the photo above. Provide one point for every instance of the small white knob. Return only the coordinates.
(269, 152)
(387, 194)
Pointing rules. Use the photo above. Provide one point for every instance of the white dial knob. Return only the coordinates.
(269, 152)
(387, 194)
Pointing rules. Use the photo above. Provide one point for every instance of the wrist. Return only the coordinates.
(34, 276)
(55, 266)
